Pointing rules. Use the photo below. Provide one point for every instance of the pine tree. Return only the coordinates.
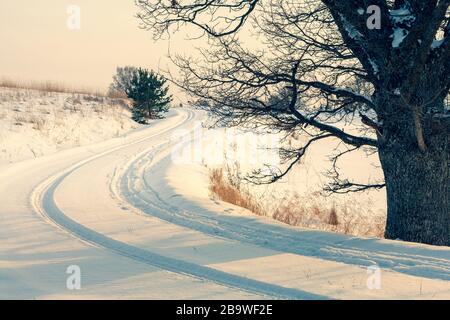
(150, 95)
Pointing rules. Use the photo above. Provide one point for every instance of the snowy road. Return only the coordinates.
(123, 212)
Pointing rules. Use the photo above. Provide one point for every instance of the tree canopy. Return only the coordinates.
(382, 65)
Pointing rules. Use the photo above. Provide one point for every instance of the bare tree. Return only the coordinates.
(122, 80)
(381, 64)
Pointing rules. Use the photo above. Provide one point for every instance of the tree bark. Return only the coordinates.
(418, 189)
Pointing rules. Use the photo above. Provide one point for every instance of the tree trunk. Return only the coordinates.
(418, 190)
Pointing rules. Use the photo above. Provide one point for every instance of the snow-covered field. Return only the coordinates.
(137, 223)
(35, 123)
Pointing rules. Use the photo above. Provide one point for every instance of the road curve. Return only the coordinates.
(110, 209)
(44, 202)
(35, 253)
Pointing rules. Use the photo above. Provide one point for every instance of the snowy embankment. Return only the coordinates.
(34, 123)
(298, 198)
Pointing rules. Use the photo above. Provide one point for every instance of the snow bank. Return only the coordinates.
(298, 198)
(35, 123)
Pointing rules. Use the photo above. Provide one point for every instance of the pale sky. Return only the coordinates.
(37, 44)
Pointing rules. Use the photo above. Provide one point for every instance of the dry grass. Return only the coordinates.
(43, 110)
(117, 94)
(38, 122)
(225, 191)
(49, 86)
(298, 211)
(308, 213)
(20, 119)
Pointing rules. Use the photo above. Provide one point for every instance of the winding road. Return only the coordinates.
(115, 210)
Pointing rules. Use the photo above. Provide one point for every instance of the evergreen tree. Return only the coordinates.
(150, 95)
(147, 89)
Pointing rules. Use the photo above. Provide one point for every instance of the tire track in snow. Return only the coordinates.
(340, 248)
(43, 201)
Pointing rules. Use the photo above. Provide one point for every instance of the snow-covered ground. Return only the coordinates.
(35, 123)
(297, 198)
(138, 224)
